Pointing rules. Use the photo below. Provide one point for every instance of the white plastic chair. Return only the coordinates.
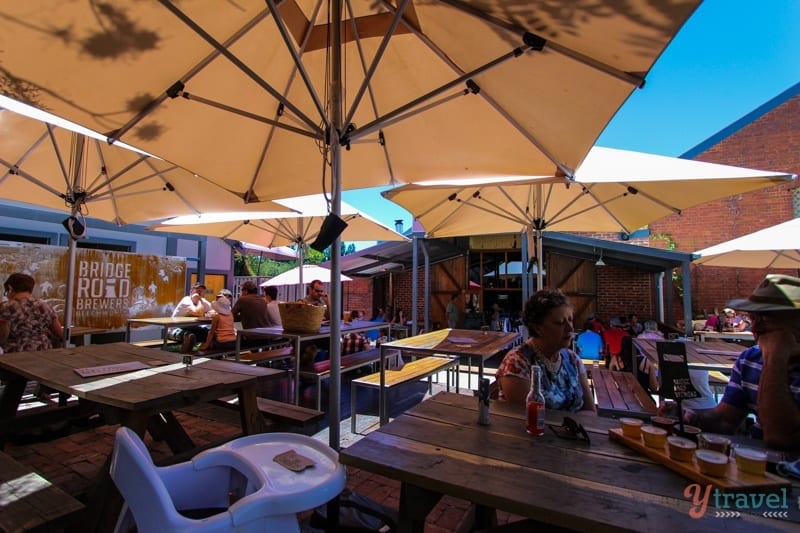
(267, 495)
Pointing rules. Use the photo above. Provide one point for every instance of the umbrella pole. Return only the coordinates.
(76, 168)
(335, 300)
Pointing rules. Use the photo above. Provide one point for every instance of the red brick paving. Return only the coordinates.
(72, 462)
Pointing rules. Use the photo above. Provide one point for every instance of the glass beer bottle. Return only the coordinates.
(535, 403)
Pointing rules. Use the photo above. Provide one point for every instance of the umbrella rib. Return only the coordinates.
(489, 100)
(599, 205)
(375, 60)
(631, 78)
(117, 134)
(240, 64)
(279, 111)
(15, 170)
(297, 62)
(379, 122)
(373, 101)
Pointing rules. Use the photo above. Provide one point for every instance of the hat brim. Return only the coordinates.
(743, 304)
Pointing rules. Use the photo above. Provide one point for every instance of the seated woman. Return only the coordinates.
(222, 335)
(548, 317)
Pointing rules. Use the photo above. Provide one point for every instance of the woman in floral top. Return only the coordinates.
(32, 324)
(548, 317)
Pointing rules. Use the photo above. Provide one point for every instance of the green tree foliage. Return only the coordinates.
(256, 265)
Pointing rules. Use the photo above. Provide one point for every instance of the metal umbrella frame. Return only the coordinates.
(613, 191)
(386, 91)
(56, 167)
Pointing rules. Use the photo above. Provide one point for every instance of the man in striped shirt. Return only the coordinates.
(765, 378)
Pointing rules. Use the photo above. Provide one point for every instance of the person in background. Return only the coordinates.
(452, 311)
(222, 335)
(378, 317)
(315, 295)
(194, 304)
(548, 317)
(272, 310)
(634, 326)
(612, 337)
(354, 342)
(589, 344)
(27, 323)
(766, 378)
(251, 309)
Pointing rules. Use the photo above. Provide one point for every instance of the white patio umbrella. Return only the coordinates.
(264, 97)
(296, 276)
(614, 190)
(58, 165)
(299, 228)
(773, 247)
(301, 275)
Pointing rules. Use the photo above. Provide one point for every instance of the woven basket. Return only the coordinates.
(301, 318)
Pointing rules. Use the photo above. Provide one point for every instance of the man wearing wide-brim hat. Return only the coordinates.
(766, 377)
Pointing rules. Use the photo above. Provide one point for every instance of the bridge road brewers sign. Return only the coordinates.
(674, 370)
(110, 287)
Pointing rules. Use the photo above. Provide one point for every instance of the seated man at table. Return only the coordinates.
(765, 378)
(194, 304)
(315, 295)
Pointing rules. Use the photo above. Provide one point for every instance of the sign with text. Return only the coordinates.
(674, 371)
(109, 287)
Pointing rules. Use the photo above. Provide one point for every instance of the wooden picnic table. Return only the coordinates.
(80, 335)
(621, 394)
(437, 448)
(746, 336)
(142, 400)
(297, 338)
(165, 323)
(468, 343)
(700, 355)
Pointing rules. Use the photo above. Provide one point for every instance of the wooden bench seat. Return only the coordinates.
(321, 370)
(424, 367)
(266, 356)
(30, 502)
(621, 394)
(283, 415)
(154, 343)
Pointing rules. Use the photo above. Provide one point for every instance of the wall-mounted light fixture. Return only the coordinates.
(600, 262)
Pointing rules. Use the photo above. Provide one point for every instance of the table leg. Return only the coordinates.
(164, 336)
(9, 400)
(415, 504)
(164, 426)
(252, 421)
(297, 355)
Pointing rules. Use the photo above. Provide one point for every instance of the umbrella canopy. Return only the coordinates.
(296, 276)
(278, 229)
(242, 91)
(774, 247)
(614, 190)
(55, 167)
(265, 97)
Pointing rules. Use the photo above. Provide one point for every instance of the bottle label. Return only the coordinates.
(536, 418)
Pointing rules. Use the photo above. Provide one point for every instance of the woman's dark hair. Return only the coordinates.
(19, 282)
(539, 306)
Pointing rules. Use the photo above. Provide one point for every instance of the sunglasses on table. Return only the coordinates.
(570, 429)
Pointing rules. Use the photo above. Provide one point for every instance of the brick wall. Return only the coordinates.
(357, 294)
(622, 291)
(772, 142)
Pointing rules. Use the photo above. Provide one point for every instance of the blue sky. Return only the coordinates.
(729, 58)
